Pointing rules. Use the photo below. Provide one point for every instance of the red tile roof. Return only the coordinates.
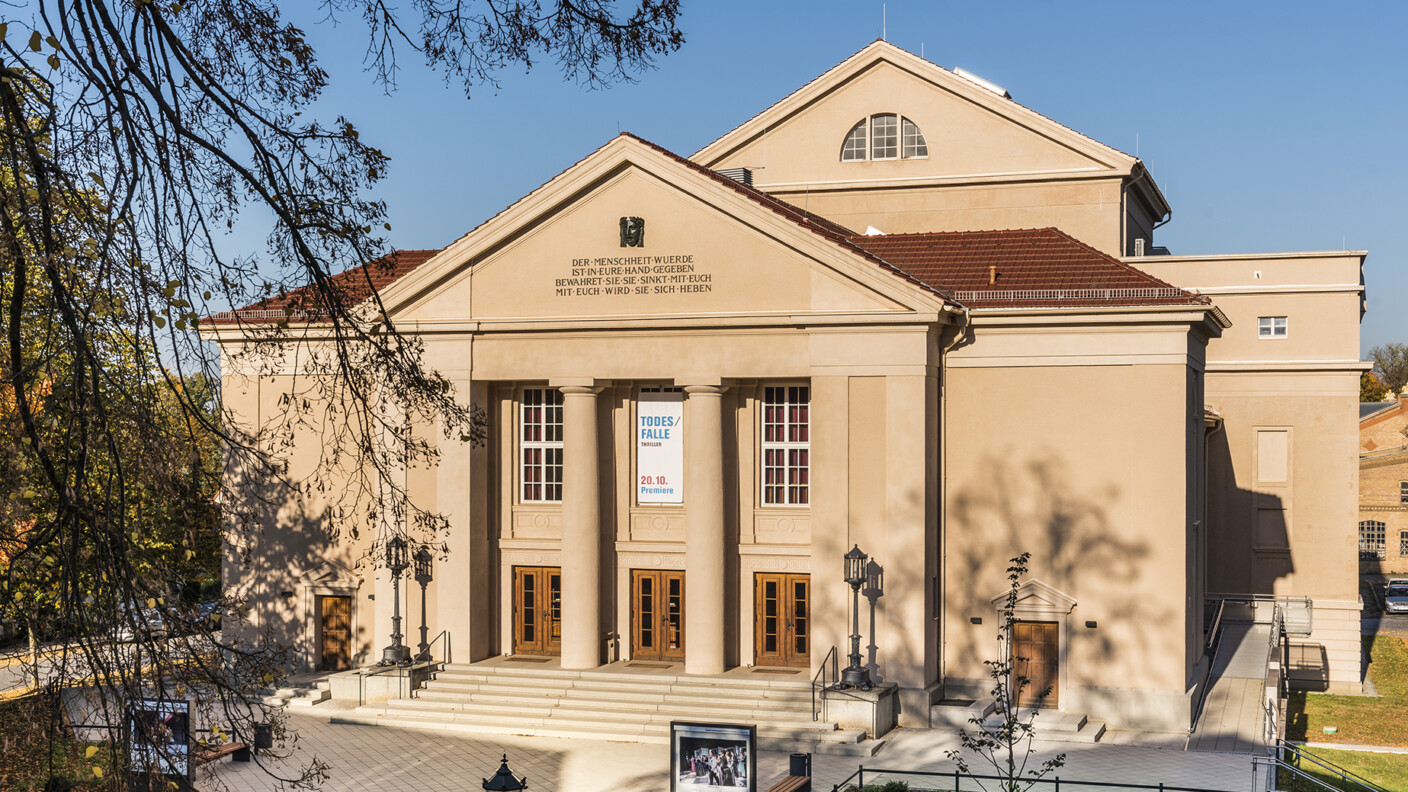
(306, 303)
(1027, 268)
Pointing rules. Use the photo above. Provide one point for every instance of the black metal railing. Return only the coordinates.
(953, 782)
(820, 683)
(1298, 754)
(1210, 653)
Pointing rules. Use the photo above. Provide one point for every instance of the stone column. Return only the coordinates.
(704, 531)
(581, 529)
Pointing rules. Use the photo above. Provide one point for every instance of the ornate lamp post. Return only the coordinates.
(855, 675)
(423, 577)
(396, 561)
(504, 780)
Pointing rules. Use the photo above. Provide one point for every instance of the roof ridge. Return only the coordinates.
(828, 229)
(954, 232)
(1119, 263)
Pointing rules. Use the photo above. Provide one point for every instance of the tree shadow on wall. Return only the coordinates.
(1010, 505)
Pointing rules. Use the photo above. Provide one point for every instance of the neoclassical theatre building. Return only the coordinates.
(895, 310)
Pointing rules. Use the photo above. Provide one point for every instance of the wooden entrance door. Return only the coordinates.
(1037, 657)
(537, 610)
(782, 625)
(657, 615)
(335, 617)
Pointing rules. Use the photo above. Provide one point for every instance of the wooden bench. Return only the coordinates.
(210, 753)
(792, 784)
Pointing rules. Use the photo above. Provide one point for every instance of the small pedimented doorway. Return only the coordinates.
(1039, 641)
(327, 600)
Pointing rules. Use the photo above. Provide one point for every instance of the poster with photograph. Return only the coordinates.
(712, 757)
(159, 739)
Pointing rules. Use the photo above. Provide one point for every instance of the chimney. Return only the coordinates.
(992, 274)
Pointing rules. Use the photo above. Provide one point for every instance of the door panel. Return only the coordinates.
(657, 615)
(1037, 656)
(537, 610)
(782, 620)
(335, 614)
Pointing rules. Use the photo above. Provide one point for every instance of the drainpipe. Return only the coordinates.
(961, 334)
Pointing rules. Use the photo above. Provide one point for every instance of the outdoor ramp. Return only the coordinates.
(1232, 715)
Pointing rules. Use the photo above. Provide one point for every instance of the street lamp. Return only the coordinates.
(423, 578)
(504, 780)
(855, 675)
(396, 561)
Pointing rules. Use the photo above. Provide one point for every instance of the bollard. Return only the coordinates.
(263, 737)
(800, 764)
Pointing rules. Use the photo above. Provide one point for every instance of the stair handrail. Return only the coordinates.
(1326, 764)
(819, 680)
(1272, 764)
(1210, 652)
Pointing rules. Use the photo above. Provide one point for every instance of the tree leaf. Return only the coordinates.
(92, 749)
(35, 41)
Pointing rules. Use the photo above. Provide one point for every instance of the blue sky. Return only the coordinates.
(1270, 127)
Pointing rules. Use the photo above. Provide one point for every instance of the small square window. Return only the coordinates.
(1271, 327)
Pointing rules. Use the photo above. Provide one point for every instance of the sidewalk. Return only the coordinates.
(369, 757)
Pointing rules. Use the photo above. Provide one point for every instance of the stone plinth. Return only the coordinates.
(876, 710)
(379, 684)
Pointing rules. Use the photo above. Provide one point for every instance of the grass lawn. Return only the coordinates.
(1359, 719)
(1389, 771)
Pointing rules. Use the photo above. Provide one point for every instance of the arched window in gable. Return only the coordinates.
(884, 136)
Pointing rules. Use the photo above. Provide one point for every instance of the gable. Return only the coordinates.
(969, 131)
(706, 251)
(1034, 596)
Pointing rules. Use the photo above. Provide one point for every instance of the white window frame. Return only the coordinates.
(543, 453)
(794, 454)
(1403, 493)
(859, 142)
(908, 145)
(1268, 327)
(1372, 546)
(893, 136)
(861, 151)
(1403, 544)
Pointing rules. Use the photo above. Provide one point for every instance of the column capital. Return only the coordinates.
(703, 386)
(571, 386)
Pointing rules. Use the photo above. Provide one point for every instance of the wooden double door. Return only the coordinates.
(782, 620)
(657, 615)
(335, 622)
(537, 610)
(1036, 653)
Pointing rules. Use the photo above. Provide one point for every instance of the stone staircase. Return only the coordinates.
(1051, 725)
(615, 702)
(299, 694)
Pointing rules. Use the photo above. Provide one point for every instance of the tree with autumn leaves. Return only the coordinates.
(133, 137)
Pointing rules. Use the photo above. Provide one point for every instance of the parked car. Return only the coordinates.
(1396, 597)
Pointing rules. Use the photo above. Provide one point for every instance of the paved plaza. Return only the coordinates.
(406, 760)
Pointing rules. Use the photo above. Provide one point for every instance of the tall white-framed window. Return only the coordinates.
(540, 446)
(786, 445)
(884, 136)
(1403, 544)
(1371, 539)
(1271, 327)
(1403, 492)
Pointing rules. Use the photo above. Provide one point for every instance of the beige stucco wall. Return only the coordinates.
(1283, 473)
(1084, 462)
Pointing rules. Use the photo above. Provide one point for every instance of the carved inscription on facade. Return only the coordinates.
(634, 276)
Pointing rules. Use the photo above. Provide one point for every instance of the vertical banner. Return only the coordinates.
(660, 447)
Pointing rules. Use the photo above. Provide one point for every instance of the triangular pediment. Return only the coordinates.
(709, 249)
(1036, 596)
(329, 573)
(972, 132)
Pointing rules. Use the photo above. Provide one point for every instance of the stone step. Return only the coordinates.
(618, 689)
(311, 698)
(505, 671)
(618, 714)
(1067, 727)
(650, 731)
